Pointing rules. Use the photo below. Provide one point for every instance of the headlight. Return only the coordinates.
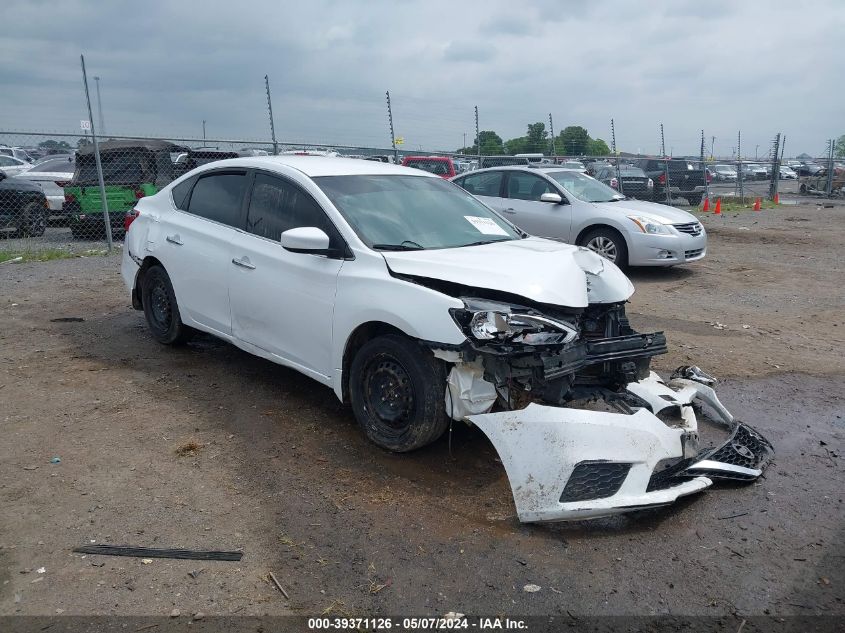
(649, 225)
(500, 322)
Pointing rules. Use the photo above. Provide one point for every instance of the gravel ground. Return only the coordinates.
(281, 470)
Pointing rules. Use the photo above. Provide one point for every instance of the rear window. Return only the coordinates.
(218, 197)
(119, 168)
(439, 167)
(55, 165)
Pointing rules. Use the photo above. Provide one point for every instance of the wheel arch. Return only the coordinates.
(149, 262)
(602, 225)
(359, 336)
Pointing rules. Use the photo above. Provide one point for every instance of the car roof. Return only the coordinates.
(314, 166)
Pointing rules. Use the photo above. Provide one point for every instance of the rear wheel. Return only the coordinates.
(160, 308)
(608, 243)
(695, 199)
(33, 221)
(397, 393)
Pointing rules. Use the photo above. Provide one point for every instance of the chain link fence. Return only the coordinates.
(53, 205)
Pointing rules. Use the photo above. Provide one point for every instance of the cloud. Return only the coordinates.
(718, 66)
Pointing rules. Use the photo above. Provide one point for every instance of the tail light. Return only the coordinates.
(614, 183)
(662, 179)
(139, 193)
(69, 197)
(129, 218)
(709, 177)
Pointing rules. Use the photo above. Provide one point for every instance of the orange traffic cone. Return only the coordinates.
(757, 204)
(706, 206)
(777, 198)
(718, 209)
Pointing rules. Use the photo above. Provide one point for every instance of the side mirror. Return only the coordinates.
(551, 197)
(306, 239)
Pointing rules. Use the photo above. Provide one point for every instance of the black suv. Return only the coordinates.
(686, 179)
(23, 208)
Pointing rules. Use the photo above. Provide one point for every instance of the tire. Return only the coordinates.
(161, 309)
(802, 188)
(695, 200)
(33, 221)
(397, 391)
(604, 241)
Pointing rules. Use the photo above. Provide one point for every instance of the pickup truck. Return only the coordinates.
(686, 180)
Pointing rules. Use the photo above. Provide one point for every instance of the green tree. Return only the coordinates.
(516, 145)
(597, 147)
(51, 144)
(573, 141)
(839, 149)
(491, 144)
(537, 138)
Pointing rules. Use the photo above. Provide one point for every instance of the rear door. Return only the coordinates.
(283, 302)
(523, 207)
(196, 243)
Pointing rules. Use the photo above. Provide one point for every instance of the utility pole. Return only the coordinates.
(99, 106)
(477, 137)
(392, 135)
(203, 132)
(616, 155)
(739, 189)
(270, 109)
(464, 146)
(99, 165)
(665, 165)
(712, 143)
(756, 147)
(552, 131)
(704, 169)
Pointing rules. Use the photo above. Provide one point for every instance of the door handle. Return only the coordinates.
(243, 263)
(174, 239)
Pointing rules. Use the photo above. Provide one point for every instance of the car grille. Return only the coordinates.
(594, 480)
(696, 252)
(691, 228)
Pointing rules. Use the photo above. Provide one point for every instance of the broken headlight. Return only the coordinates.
(501, 322)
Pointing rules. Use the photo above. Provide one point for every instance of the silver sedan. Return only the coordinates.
(566, 205)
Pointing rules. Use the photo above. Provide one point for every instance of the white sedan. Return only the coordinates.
(419, 305)
(13, 166)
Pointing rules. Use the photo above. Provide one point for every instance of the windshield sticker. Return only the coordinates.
(485, 225)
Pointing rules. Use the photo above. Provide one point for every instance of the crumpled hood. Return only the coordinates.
(541, 270)
(662, 212)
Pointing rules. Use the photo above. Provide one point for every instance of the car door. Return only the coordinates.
(523, 207)
(283, 302)
(195, 245)
(486, 186)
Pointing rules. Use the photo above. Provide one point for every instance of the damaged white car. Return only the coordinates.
(419, 305)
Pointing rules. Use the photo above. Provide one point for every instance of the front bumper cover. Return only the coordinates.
(568, 464)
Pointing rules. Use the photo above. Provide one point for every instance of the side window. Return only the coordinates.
(525, 186)
(180, 193)
(486, 183)
(218, 197)
(6, 162)
(277, 205)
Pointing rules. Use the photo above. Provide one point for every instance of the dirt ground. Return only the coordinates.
(282, 472)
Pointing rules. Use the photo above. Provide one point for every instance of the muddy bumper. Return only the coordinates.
(568, 463)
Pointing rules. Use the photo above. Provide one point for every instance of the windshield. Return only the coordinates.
(584, 188)
(413, 212)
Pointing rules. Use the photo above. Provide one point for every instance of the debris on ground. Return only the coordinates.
(56, 460)
(67, 320)
(189, 449)
(278, 585)
(531, 588)
(152, 552)
(175, 613)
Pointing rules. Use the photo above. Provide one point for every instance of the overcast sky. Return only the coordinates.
(722, 66)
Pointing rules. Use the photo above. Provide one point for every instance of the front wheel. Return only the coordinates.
(608, 243)
(397, 391)
(160, 308)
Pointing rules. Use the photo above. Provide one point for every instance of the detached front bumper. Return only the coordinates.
(568, 464)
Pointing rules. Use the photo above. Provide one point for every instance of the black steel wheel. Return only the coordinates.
(397, 391)
(161, 309)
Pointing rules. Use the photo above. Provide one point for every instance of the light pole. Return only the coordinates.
(712, 142)
(100, 107)
(464, 147)
(756, 147)
(203, 132)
